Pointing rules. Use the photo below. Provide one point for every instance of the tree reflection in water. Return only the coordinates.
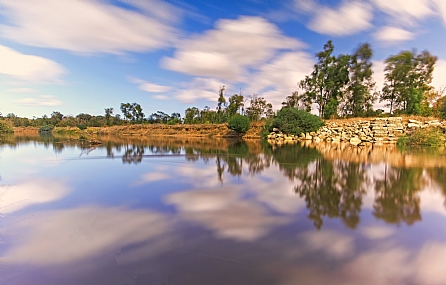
(397, 199)
(332, 188)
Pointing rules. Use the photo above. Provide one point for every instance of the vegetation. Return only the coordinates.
(6, 127)
(46, 128)
(339, 86)
(295, 122)
(239, 123)
(431, 137)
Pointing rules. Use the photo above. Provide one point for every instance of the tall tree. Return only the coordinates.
(108, 115)
(327, 83)
(258, 108)
(236, 103)
(293, 101)
(360, 96)
(407, 78)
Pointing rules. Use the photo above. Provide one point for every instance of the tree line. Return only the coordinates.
(338, 87)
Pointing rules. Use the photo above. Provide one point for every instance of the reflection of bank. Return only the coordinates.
(365, 165)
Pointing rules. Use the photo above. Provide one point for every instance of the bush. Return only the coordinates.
(6, 127)
(292, 121)
(423, 137)
(239, 123)
(46, 128)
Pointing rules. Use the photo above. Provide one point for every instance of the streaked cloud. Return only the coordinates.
(405, 12)
(393, 35)
(374, 232)
(228, 50)
(44, 100)
(51, 235)
(90, 26)
(29, 67)
(148, 86)
(20, 90)
(220, 211)
(199, 88)
(20, 196)
(350, 18)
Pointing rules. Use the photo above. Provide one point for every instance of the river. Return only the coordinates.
(166, 211)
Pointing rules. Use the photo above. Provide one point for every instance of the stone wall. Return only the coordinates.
(376, 130)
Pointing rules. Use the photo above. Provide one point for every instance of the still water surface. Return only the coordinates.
(207, 211)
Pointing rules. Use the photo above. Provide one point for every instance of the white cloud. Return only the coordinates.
(439, 75)
(90, 26)
(441, 6)
(405, 11)
(377, 232)
(332, 243)
(226, 51)
(161, 97)
(51, 235)
(199, 88)
(350, 18)
(29, 67)
(44, 100)
(20, 90)
(393, 35)
(220, 210)
(149, 87)
(283, 74)
(17, 197)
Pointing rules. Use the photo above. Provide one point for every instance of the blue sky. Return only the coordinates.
(83, 56)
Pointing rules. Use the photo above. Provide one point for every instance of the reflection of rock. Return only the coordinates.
(17, 197)
(225, 213)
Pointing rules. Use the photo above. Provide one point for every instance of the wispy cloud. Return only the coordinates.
(44, 100)
(392, 35)
(90, 26)
(29, 67)
(228, 50)
(20, 90)
(350, 18)
(148, 86)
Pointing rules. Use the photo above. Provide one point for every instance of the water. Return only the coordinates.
(209, 211)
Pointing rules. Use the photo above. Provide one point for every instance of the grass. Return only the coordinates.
(431, 137)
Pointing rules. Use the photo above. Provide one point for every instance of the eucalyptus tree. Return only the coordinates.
(360, 95)
(327, 83)
(407, 78)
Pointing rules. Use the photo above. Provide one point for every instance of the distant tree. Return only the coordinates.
(221, 105)
(236, 104)
(360, 96)
(132, 112)
(258, 108)
(327, 83)
(108, 115)
(292, 101)
(407, 78)
(192, 115)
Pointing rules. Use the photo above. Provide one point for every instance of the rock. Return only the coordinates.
(355, 141)
(275, 130)
(413, 125)
(415, 122)
(308, 137)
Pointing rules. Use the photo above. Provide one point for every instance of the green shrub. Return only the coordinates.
(423, 137)
(6, 127)
(239, 123)
(46, 128)
(292, 121)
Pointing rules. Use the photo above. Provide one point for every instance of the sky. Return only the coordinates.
(82, 56)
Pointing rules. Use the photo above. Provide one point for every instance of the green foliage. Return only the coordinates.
(326, 84)
(46, 128)
(132, 112)
(239, 123)
(360, 96)
(295, 122)
(407, 79)
(431, 137)
(259, 108)
(6, 127)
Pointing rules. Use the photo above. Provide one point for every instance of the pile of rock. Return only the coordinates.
(376, 130)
